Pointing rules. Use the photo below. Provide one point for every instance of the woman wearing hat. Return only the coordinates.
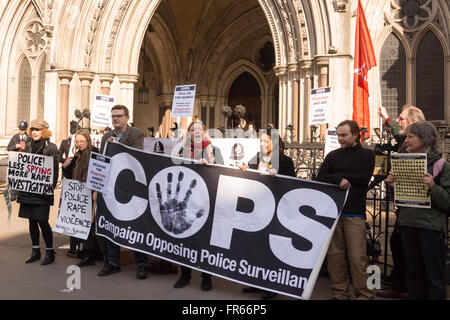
(36, 207)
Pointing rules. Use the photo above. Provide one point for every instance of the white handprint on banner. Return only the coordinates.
(183, 213)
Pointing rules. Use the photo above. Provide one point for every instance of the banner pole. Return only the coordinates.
(380, 118)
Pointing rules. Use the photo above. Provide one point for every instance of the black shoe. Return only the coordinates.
(49, 257)
(35, 255)
(72, 254)
(268, 295)
(206, 284)
(108, 270)
(86, 261)
(182, 282)
(250, 289)
(141, 272)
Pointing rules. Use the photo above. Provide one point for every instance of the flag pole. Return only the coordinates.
(380, 118)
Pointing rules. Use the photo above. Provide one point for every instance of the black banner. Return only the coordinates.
(264, 231)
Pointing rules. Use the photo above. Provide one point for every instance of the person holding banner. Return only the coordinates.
(273, 160)
(36, 207)
(423, 230)
(196, 145)
(132, 137)
(350, 167)
(76, 168)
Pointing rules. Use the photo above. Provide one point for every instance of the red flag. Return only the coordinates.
(364, 61)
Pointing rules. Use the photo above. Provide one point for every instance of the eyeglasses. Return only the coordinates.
(117, 116)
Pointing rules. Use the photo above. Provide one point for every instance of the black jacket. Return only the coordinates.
(68, 171)
(15, 140)
(355, 164)
(50, 149)
(286, 165)
(64, 149)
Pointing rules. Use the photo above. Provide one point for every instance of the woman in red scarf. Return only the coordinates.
(196, 146)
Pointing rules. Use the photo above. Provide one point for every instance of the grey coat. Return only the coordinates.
(132, 137)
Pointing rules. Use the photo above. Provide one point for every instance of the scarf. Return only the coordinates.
(38, 146)
(198, 151)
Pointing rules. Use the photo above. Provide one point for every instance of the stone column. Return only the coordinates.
(203, 114)
(86, 79)
(323, 63)
(65, 77)
(165, 107)
(211, 114)
(106, 79)
(308, 86)
(282, 74)
(295, 76)
(127, 82)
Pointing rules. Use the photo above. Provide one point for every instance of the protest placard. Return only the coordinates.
(98, 172)
(75, 213)
(183, 101)
(30, 172)
(101, 111)
(331, 142)
(319, 106)
(410, 190)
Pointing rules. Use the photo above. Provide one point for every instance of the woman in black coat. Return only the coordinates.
(36, 207)
(270, 159)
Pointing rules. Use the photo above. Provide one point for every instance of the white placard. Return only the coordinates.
(183, 101)
(238, 151)
(72, 146)
(331, 141)
(162, 145)
(98, 172)
(319, 106)
(30, 172)
(101, 111)
(75, 213)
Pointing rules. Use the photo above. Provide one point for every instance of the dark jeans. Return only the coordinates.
(186, 272)
(114, 255)
(398, 273)
(425, 263)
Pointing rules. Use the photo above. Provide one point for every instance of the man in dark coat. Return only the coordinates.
(132, 137)
(17, 143)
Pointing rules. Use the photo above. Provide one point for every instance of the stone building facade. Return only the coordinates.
(264, 54)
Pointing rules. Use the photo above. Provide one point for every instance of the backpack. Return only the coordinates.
(437, 168)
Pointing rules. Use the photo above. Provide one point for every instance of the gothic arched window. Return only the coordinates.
(393, 79)
(23, 110)
(430, 77)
